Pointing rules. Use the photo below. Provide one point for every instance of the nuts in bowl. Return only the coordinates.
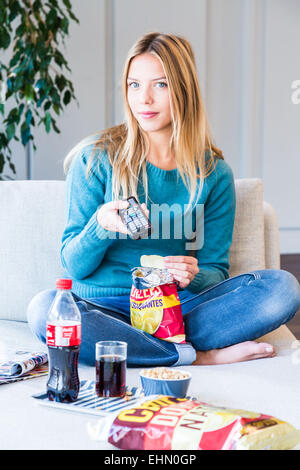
(165, 381)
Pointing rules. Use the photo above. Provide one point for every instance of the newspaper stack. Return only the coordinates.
(23, 365)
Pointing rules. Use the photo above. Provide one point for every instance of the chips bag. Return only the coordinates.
(169, 423)
(154, 304)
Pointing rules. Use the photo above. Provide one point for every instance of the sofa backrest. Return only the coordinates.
(247, 251)
(32, 223)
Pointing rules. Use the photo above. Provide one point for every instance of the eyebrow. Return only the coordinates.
(154, 80)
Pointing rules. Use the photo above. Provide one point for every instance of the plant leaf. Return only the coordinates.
(4, 39)
(10, 131)
(28, 117)
(67, 97)
(67, 4)
(25, 133)
(47, 122)
(2, 162)
(55, 126)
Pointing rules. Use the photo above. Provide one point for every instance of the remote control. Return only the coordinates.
(135, 219)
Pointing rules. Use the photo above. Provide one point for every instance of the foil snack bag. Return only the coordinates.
(169, 423)
(155, 305)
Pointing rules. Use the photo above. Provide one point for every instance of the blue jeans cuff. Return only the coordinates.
(186, 354)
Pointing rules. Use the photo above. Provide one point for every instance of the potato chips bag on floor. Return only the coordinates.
(169, 423)
(155, 305)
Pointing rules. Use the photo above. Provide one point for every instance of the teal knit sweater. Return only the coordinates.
(100, 262)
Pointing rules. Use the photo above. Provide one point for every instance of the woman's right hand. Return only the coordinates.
(108, 217)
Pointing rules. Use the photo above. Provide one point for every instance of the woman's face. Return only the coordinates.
(147, 92)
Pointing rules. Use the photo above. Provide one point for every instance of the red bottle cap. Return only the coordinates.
(64, 284)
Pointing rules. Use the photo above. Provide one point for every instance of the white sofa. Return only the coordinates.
(32, 221)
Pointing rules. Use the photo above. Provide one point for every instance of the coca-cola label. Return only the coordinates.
(63, 334)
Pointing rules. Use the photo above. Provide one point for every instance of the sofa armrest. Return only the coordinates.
(272, 249)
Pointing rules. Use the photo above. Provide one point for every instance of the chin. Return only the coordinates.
(152, 127)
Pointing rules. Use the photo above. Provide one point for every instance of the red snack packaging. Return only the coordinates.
(155, 305)
(169, 423)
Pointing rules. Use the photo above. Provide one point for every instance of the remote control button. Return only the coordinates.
(132, 227)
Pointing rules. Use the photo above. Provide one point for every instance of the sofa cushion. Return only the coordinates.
(247, 252)
(32, 221)
(272, 249)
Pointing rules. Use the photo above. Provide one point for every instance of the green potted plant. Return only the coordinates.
(33, 85)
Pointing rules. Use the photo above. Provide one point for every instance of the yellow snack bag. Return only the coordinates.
(155, 306)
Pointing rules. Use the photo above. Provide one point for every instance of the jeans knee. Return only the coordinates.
(292, 286)
(289, 292)
(37, 312)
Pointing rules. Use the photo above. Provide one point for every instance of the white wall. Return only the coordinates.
(253, 50)
(281, 142)
(86, 56)
(247, 57)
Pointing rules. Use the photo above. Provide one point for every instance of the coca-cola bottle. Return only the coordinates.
(63, 341)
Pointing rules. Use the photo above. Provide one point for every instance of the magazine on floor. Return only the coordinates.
(21, 365)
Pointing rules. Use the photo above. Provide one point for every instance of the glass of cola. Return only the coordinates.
(111, 359)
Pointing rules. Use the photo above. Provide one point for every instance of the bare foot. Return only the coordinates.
(246, 351)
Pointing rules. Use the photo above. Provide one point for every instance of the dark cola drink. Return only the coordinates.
(111, 376)
(63, 341)
(63, 380)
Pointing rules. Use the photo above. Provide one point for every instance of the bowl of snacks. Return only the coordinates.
(165, 381)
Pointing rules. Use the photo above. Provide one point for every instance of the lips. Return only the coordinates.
(148, 115)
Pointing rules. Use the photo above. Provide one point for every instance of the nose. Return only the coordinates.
(146, 95)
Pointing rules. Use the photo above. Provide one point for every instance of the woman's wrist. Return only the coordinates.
(99, 218)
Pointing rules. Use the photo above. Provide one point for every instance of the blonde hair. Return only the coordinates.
(127, 144)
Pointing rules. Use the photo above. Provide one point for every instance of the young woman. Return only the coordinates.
(162, 154)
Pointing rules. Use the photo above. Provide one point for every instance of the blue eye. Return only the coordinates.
(162, 83)
(132, 83)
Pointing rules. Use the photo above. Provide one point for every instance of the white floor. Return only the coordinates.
(270, 386)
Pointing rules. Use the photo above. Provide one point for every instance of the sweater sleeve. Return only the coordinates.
(84, 241)
(219, 213)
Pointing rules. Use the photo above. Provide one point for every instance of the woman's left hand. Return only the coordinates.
(183, 268)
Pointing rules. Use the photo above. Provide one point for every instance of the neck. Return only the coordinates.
(160, 153)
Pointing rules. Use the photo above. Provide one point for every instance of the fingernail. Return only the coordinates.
(269, 349)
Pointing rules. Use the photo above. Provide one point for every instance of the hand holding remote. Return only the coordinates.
(108, 216)
(136, 219)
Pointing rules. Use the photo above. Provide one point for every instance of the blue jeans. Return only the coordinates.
(238, 309)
